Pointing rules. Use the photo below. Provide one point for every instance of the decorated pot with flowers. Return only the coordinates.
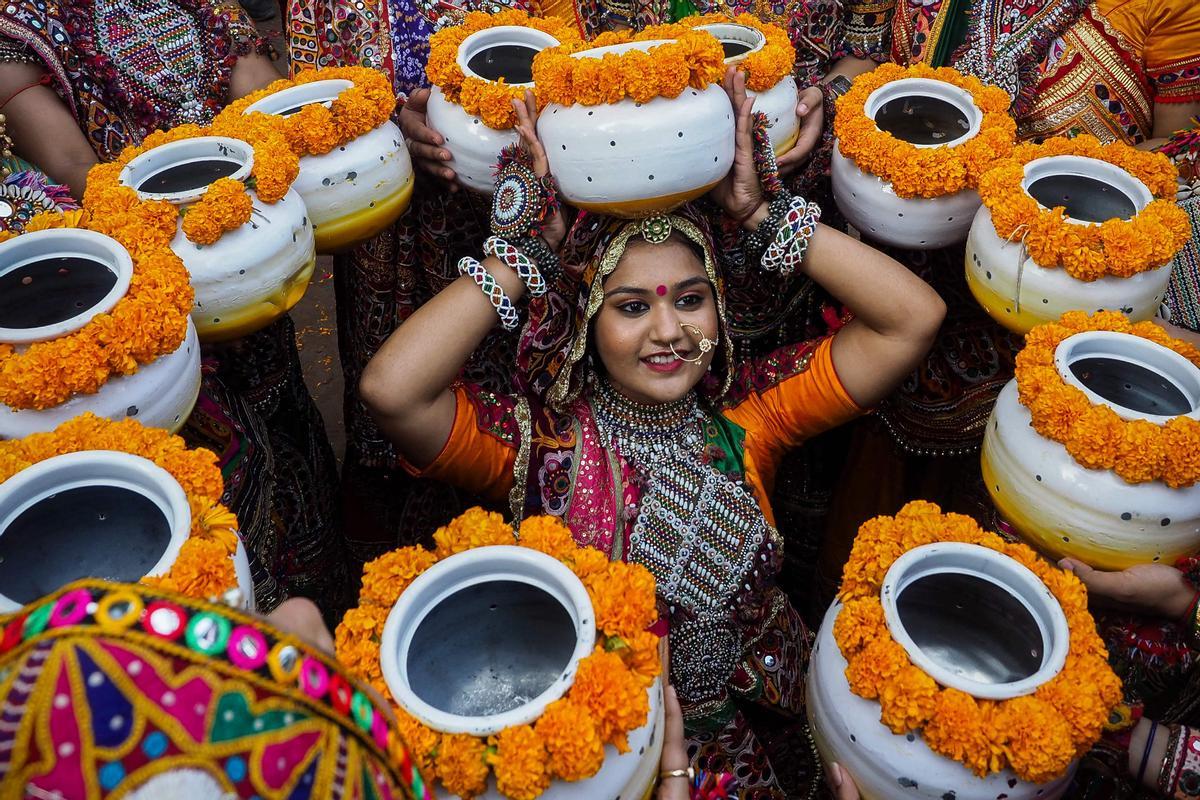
(242, 232)
(635, 124)
(911, 145)
(1091, 450)
(120, 501)
(89, 322)
(519, 668)
(765, 54)
(356, 177)
(477, 69)
(1074, 224)
(955, 664)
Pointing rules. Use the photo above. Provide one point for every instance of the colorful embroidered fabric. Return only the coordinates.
(26, 192)
(115, 690)
(1183, 294)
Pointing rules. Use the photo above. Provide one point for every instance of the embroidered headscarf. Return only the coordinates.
(551, 356)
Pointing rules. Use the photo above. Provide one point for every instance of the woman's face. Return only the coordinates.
(654, 288)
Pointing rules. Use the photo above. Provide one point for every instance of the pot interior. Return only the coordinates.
(738, 41)
(52, 289)
(179, 172)
(1084, 198)
(291, 100)
(972, 627)
(187, 176)
(490, 648)
(1137, 378)
(102, 530)
(1131, 386)
(511, 62)
(921, 119)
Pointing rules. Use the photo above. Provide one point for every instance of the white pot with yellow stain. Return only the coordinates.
(355, 190)
(633, 159)
(779, 102)
(505, 51)
(160, 394)
(926, 113)
(1094, 515)
(1018, 293)
(250, 276)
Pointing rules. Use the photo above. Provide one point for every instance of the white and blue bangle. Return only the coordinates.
(509, 320)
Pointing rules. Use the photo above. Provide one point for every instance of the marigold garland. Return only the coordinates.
(275, 168)
(315, 130)
(1037, 735)
(1117, 247)
(766, 66)
(1138, 451)
(608, 697)
(691, 58)
(491, 101)
(923, 171)
(148, 322)
(204, 567)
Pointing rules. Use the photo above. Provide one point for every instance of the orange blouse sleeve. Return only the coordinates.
(482, 447)
(1166, 34)
(813, 401)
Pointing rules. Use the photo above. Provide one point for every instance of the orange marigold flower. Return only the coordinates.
(1140, 452)
(356, 641)
(475, 528)
(956, 730)
(641, 654)
(519, 759)
(613, 696)
(462, 765)
(548, 534)
(225, 206)
(1036, 739)
(907, 700)
(385, 578)
(859, 623)
(623, 598)
(876, 664)
(1181, 443)
(1094, 436)
(422, 743)
(576, 751)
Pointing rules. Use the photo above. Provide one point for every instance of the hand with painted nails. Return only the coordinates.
(841, 783)
(424, 143)
(811, 111)
(1157, 589)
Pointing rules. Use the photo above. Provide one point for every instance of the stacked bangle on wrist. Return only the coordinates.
(786, 251)
(507, 312)
(756, 241)
(518, 261)
(536, 248)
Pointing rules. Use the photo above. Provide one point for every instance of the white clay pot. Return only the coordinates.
(474, 147)
(870, 204)
(160, 394)
(634, 159)
(250, 276)
(354, 191)
(70, 546)
(1019, 294)
(1093, 515)
(1020, 642)
(779, 102)
(487, 639)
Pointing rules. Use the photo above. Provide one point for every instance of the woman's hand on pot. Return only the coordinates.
(1146, 588)
(555, 228)
(424, 143)
(840, 783)
(674, 754)
(739, 193)
(810, 110)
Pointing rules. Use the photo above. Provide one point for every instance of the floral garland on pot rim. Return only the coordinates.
(1118, 247)
(606, 701)
(692, 58)
(491, 101)
(1094, 435)
(766, 66)
(314, 130)
(225, 205)
(923, 171)
(1037, 735)
(204, 568)
(148, 322)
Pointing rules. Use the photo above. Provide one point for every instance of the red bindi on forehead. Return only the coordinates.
(662, 290)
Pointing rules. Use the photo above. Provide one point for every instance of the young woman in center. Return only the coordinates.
(628, 430)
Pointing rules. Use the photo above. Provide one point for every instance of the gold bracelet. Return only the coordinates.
(688, 773)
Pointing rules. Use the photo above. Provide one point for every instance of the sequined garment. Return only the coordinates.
(112, 690)
(1183, 295)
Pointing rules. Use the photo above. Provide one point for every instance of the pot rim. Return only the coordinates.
(618, 49)
(927, 87)
(185, 151)
(996, 568)
(461, 571)
(100, 467)
(1127, 184)
(499, 35)
(1177, 370)
(36, 245)
(736, 32)
(323, 92)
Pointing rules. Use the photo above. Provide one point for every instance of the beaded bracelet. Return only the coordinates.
(492, 290)
(536, 248)
(756, 241)
(786, 251)
(1166, 772)
(518, 261)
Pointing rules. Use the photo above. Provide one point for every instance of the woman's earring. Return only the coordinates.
(705, 344)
